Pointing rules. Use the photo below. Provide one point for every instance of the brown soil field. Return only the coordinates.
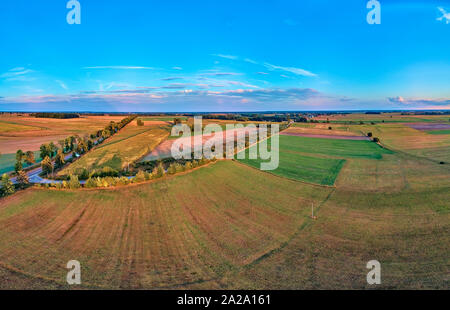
(171, 233)
(322, 129)
(28, 133)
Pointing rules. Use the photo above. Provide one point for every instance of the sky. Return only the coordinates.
(245, 55)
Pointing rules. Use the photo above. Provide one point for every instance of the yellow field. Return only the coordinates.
(125, 147)
(28, 133)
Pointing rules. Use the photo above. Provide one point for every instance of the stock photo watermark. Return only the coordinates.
(374, 15)
(374, 275)
(209, 142)
(74, 15)
(74, 274)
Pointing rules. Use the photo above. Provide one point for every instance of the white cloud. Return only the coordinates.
(15, 72)
(120, 67)
(62, 84)
(226, 56)
(445, 16)
(296, 71)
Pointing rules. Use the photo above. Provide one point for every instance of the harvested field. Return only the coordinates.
(29, 133)
(125, 147)
(426, 126)
(164, 149)
(171, 233)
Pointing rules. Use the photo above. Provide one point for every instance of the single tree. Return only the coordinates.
(18, 166)
(47, 166)
(19, 155)
(53, 149)
(29, 158)
(22, 179)
(7, 185)
(59, 159)
(45, 150)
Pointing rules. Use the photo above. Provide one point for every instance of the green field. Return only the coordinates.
(7, 162)
(439, 132)
(297, 161)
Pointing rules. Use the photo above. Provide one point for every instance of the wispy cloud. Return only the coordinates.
(293, 70)
(226, 56)
(220, 73)
(120, 67)
(445, 16)
(16, 72)
(62, 84)
(172, 78)
(177, 68)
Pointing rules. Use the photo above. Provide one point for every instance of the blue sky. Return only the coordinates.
(229, 55)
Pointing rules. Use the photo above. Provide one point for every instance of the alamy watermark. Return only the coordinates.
(211, 141)
(374, 275)
(374, 15)
(74, 15)
(74, 274)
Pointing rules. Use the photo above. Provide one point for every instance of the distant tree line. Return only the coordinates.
(55, 115)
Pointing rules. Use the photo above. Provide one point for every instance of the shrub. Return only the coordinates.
(74, 183)
(82, 173)
(147, 175)
(171, 169)
(140, 122)
(160, 170)
(188, 166)
(375, 139)
(123, 181)
(58, 185)
(91, 183)
(64, 184)
(179, 168)
(140, 177)
(369, 134)
(330, 128)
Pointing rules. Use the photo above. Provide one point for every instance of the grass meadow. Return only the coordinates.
(317, 160)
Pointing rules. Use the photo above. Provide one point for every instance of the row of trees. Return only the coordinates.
(56, 115)
(77, 145)
(109, 181)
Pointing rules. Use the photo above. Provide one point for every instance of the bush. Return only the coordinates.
(171, 169)
(140, 177)
(375, 139)
(140, 122)
(82, 173)
(91, 183)
(74, 183)
(123, 181)
(369, 134)
(330, 128)
(188, 166)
